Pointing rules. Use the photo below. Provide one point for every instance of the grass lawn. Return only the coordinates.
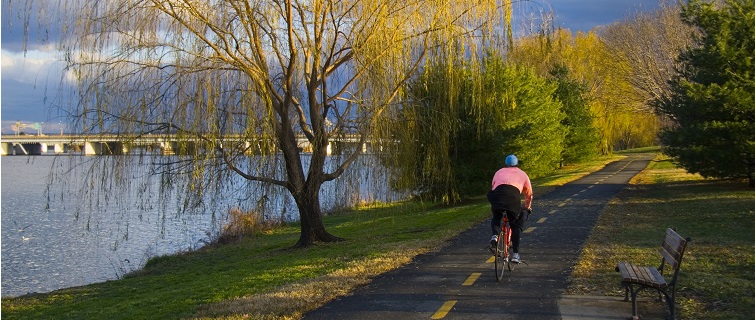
(717, 278)
(261, 276)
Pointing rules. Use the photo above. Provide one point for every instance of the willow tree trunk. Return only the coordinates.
(305, 187)
(310, 215)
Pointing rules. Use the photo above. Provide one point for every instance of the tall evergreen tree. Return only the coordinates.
(713, 99)
(515, 112)
(582, 140)
(519, 107)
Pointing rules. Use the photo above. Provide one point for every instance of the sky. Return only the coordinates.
(29, 82)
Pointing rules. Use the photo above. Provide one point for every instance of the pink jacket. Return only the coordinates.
(515, 177)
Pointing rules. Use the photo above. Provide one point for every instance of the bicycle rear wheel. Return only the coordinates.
(501, 256)
(510, 264)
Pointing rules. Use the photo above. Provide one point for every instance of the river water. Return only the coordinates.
(60, 238)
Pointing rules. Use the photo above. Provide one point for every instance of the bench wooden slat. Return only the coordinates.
(627, 271)
(649, 276)
(671, 257)
(659, 280)
(673, 238)
(672, 248)
(641, 276)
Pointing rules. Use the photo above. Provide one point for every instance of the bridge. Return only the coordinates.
(165, 144)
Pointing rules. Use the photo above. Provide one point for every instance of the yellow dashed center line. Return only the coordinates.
(491, 260)
(541, 220)
(530, 229)
(553, 211)
(444, 309)
(472, 278)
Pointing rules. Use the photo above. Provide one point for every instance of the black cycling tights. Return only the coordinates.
(516, 223)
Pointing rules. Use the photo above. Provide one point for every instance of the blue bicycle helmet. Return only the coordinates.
(511, 160)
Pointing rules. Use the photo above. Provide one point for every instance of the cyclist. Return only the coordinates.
(509, 184)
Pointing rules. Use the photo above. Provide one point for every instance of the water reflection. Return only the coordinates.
(78, 240)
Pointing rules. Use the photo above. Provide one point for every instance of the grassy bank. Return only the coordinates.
(717, 278)
(261, 277)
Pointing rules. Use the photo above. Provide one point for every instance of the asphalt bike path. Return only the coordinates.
(458, 281)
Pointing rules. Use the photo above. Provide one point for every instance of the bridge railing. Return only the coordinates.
(166, 144)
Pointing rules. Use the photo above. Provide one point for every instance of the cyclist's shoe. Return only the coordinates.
(515, 258)
(494, 241)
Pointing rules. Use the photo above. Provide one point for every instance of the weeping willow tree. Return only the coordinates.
(270, 78)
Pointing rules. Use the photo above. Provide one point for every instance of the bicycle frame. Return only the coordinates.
(501, 250)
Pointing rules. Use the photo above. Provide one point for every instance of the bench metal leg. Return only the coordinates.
(634, 301)
(670, 304)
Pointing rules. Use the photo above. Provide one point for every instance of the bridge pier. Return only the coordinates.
(167, 148)
(105, 148)
(341, 147)
(183, 147)
(58, 148)
(26, 149)
(177, 147)
(92, 148)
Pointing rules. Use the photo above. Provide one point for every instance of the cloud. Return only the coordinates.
(33, 68)
(29, 84)
(29, 26)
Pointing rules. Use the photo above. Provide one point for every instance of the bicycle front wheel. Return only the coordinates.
(501, 256)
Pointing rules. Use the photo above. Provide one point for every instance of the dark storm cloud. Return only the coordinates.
(584, 15)
(22, 26)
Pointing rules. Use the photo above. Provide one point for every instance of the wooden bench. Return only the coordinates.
(635, 278)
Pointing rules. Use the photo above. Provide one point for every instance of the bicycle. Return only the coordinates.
(501, 251)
